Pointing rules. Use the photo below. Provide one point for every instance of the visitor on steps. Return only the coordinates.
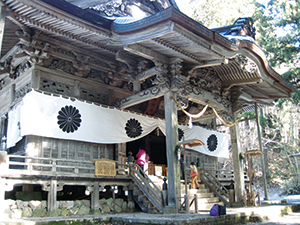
(194, 175)
(142, 158)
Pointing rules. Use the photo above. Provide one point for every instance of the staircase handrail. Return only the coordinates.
(153, 193)
(211, 182)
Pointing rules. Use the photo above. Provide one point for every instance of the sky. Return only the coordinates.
(183, 6)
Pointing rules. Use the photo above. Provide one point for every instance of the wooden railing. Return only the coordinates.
(26, 165)
(146, 185)
(11, 165)
(225, 176)
(214, 185)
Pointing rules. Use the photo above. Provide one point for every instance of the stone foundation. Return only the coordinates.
(17, 209)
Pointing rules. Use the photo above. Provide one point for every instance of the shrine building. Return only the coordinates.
(84, 83)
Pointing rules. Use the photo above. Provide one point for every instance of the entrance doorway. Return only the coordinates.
(155, 146)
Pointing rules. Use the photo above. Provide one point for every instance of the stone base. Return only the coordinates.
(170, 210)
(237, 204)
(29, 195)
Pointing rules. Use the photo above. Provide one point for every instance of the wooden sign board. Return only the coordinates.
(105, 167)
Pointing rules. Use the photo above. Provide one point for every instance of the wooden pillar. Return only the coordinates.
(95, 197)
(76, 89)
(264, 153)
(239, 184)
(111, 96)
(52, 196)
(2, 196)
(136, 86)
(36, 79)
(172, 159)
(3, 169)
(2, 24)
(12, 93)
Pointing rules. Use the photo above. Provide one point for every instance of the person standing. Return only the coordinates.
(141, 157)
(194, 175)
(182, 166)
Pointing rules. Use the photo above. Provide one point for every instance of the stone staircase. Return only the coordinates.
(205, 198)
(145, 192)
(143, 202)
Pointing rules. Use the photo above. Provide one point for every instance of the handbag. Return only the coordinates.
(193, 174)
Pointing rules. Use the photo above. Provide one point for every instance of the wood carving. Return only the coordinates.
(36, 51)
(81, 64)
(207, 79)
(246, 64)
(122, 8)
(56, 87)
(63, 65)
(93, 96)
(21, 92)
(177, 80)
(162, 75)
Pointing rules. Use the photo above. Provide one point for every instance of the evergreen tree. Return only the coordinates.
(216, 13)
(277, 25)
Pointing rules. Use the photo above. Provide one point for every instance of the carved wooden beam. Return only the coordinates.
(123, 57)
(146, 53)
(229, 84)
(177, 49)
(216, 62)
(201, 96)
(2, 24)
(147, 74)
(145, 95)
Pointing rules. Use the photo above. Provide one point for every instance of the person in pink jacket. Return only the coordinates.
(141, 157)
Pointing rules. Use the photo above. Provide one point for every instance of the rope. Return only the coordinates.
(227, 125)
(202, 112)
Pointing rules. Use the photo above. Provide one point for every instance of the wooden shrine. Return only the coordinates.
(159, 63)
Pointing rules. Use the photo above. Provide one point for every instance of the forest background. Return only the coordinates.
(278, 34)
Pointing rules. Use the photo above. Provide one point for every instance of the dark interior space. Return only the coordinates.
(155, 145)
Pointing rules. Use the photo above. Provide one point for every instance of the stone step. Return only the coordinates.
(194, 191)
(207, 200)
(201, 195)
(191, 191)
(141, 197)
(206, 206)
(201, 186)
(203, 200)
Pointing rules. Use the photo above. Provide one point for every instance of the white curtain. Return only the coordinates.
(58, 117)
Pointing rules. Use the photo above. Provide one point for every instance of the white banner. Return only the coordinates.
(57, 117)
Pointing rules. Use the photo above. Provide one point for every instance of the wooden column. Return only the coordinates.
(2, 129)
(3, 169)
(2, 24)
(111, 96)
(136, 86)
(2, 196)
(239, 184)
(95, 197)
(36, 79)
(12, 93)
(76, 89)
(264, 153)
(52, 196)
(172, 159)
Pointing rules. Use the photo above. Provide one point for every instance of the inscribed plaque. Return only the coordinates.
(105, 167)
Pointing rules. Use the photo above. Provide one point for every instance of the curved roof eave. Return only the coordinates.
(80, 13)
(76, 17)
(218, 43)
